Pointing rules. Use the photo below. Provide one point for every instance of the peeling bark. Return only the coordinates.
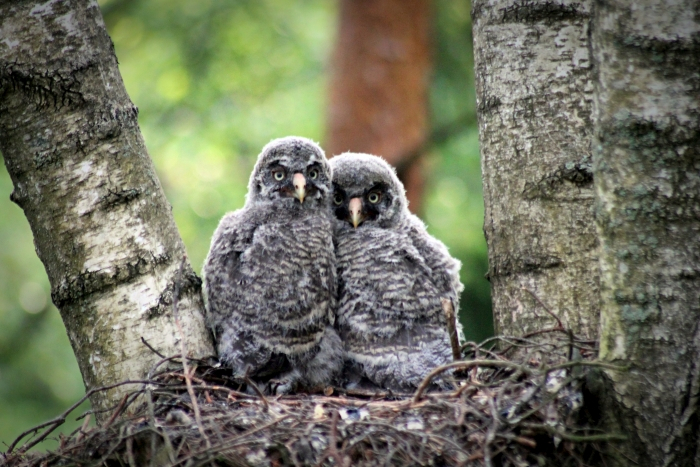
(379, 85)
(647, 178)
(534, 99)
(81, 173)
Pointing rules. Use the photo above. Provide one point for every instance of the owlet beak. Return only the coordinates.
(355, 207)
(299, 187)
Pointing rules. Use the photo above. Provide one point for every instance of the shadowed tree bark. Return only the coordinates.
(534, 98)
(102, 226)
(647, 178)
(379, 85)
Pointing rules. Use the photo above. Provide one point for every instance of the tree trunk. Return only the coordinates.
(647, 180)
(379, 85)
(534, 98)
(102, 226)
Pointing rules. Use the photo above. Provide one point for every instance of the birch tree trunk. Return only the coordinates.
(534, 98)
(647, 179)
(379, 85)
(102, 226)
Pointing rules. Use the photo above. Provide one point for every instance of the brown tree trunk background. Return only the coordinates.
(379, 85)
(102, 226)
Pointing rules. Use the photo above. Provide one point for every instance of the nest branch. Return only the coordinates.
(517, 406)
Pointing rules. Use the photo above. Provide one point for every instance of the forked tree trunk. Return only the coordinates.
(647, 178)
(379, 85)
(534, 97)
(102, 226)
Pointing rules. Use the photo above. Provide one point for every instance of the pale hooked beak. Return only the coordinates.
(355, 207)
(299, 187)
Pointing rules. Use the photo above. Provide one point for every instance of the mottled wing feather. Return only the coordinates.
(445, 268)
(390, 313)
(238, 346)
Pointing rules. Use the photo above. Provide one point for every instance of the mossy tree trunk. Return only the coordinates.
(102, 226)
(647, 179)
(379, 85)
(534, 104)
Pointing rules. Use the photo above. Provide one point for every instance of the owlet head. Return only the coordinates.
(366, 191)
(291, 170)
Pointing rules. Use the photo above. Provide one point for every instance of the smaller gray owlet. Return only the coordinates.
(392, 279)
(270, 278)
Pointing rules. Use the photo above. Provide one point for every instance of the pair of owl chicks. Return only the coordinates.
(325, 277)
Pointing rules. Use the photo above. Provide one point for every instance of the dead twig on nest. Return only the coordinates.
(508, 410)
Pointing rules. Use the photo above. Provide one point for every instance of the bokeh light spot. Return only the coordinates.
(173, 84)
(128, 32)
(32, 297)
(206, 203)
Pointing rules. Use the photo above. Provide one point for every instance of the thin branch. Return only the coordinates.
(257, 390)
(464, 365)
(451, 319)
(183, 351)
(58, 421)
(561, 326)
(151, 348)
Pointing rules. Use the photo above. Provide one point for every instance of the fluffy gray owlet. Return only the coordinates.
(392, 278)
(270, 278)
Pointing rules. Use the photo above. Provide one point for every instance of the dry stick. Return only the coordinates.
(543, 306)
(332, 450)
(575, 438)
(183, 351)
(464, 365)
(117, 411)
(206, 387)
(449, 310)
(145, 342)
(58, 421)
(257, 390)
(231, 443)
(491, 431)
(568, 331)
(130, 448)
(83, 428)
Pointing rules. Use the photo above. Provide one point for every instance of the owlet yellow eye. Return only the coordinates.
(337, 200)
(278, 175)
(313, 174)
(374, 198)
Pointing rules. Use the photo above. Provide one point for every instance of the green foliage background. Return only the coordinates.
(215, 81)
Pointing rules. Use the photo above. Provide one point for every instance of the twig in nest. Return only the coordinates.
(463, 365)
(117, 411)
(561, 326)
(145, 342)
(450, 317)
(183, 351)
(332, 450)
(58, 421)
(83, 428)
(257, 390)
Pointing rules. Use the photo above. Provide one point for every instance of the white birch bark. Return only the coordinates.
(102, 226)
(534, 98)
(647, 180)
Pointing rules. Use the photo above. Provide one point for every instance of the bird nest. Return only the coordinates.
(524, 404)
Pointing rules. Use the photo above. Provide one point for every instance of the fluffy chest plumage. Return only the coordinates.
(383, 278)
(288, 268)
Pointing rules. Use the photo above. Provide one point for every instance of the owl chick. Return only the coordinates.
(269, 277)
(393, 278)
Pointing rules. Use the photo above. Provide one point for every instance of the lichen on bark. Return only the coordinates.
(647, 180)
(534, 99)
(102, 226)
